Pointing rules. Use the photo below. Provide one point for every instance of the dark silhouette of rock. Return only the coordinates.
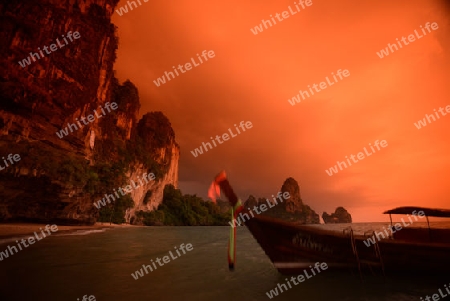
(251, 202)
(294, 203)
(339, 216)
(291, 209)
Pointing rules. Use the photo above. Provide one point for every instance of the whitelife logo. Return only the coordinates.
(27, 61)
(166, 259)
(86, 298)
(360, 156)
(397, 226)
(411, 38)
(90, 118)
(10, 158)
(318, 266)
(436, 297)
(241, 219)
(284, 15)
(225, 137)
(128, 189)
(30, 239)
(123, 9)
(162, 80)
(423, 123)
(322, 85)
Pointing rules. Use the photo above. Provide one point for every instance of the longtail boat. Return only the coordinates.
(293, 248)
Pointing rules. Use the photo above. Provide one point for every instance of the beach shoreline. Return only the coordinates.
(9, 230)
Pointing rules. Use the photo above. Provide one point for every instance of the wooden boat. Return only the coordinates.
(293, 248)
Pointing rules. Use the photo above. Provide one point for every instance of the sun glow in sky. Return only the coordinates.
(252, 77)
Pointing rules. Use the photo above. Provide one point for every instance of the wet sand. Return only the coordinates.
(22, 229)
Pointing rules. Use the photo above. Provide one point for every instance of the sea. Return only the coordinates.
(97, 265)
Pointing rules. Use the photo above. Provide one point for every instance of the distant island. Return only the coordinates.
(291, 210)
(339, 216)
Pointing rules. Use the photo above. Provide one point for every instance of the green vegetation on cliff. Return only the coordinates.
(177, 209)
(116, 213)
(58, 178)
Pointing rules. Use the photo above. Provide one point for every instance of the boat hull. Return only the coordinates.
(293, 248)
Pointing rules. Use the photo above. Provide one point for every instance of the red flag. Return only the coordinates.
(213, 191)
(222, 182)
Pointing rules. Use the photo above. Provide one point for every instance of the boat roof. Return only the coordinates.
(427, 211)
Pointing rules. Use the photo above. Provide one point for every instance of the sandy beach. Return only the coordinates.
(22, 229)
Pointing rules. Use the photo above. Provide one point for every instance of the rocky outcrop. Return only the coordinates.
(339, 216)
(291, 209)
(59, 177)
(294, 203)
(159, 137)
(251, 202)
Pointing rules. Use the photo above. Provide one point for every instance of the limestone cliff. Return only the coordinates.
(339, 216)
(59, 177)
(291, 209)
(152, 126)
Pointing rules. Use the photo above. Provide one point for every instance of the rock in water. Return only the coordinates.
(294, 203)
(293, 209)
(339, 216)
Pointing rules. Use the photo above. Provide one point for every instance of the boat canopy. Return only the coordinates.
(427, 211)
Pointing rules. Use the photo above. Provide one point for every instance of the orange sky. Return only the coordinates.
(252, 76)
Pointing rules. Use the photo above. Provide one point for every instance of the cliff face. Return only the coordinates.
(159, 139)
(339, 216)
(60, 176)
